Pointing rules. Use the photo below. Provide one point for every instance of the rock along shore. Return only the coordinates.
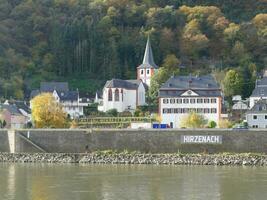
(137, 158)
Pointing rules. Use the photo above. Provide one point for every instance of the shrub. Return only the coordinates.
(212, 124)
(225, 123)
(112, 112)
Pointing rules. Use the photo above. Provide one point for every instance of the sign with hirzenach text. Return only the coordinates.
(201, 139)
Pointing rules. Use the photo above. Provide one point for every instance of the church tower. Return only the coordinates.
(147, 69)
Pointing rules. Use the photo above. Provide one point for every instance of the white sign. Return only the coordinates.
(200, 139)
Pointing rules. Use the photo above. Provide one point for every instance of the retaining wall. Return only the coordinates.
(145, 141)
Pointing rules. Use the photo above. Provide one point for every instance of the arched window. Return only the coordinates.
(110, 94)
(121, 94)
(117, 95)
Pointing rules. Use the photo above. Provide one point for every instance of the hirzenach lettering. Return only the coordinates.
(213, 139)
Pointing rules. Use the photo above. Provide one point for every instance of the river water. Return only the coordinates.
(121, 182)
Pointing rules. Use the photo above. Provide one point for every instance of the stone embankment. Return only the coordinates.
(136, 158)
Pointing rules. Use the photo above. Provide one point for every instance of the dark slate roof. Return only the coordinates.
(202, 85)
(12, 109)
(68, 95)
(127, 84)
(51, 86)
(34, 93)
(260, 88)
(148, 60)
(22, 105)
(259, 107)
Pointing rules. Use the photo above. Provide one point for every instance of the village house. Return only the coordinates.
(257, 116)
(14, 118)
(260, 91)
(72, 104)
(181, 95)
(126, 95)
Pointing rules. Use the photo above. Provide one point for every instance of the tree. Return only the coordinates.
(232, 83)
(47, 113)
(193, 120)
(112, 112)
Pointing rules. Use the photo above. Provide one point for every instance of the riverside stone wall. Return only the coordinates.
(145, 141)
(133, 158)
(4, 142)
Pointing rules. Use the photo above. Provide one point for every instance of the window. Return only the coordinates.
(147, 71)
(179, 101)
(142, 71)
(206, 110)
(192, 101)
(213, 110)
(121, 94)
(185, 100)
(165, 101)
(255, 126)
(213, 100)
(110, 94)
(199, 100)
(255, 117)
(117, 95)
(265, 116)
(206, 100)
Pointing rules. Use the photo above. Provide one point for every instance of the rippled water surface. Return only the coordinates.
(119, 182)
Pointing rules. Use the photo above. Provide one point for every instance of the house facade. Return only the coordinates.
(257, 116)
(181, 95)
(71, 103)
(123, 95)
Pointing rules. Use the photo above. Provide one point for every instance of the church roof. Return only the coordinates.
(148, 60)
(127, 84)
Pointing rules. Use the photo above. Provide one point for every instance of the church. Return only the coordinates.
(127, 95)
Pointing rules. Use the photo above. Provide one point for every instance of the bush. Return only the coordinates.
(225, 123)
(125, 114)
(112, 112)
(212, 124)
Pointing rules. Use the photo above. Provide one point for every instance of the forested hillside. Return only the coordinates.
(88, 41)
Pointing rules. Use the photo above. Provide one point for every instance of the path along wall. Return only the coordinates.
(145, 141)
(4, 141)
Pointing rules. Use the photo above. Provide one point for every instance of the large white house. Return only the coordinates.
(181, 95)
(260, 91)
(71, 102)
(123, 95)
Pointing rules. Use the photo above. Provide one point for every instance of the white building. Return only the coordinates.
(257, 116)
(126, 95)
(123, 95)
(148, 68)
(260, 91)
(181, 95)
(71, 102)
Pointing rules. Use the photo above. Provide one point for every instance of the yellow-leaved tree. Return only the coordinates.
(47, 113)
(193, 120)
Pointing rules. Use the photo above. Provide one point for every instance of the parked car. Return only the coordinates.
(240, 127)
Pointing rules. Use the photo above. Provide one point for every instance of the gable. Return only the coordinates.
(189, 93)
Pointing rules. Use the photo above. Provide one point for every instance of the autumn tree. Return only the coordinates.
(47, 113)
(232, 83)
(193, 120)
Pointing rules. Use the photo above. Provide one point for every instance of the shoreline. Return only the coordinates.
(125, 158)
